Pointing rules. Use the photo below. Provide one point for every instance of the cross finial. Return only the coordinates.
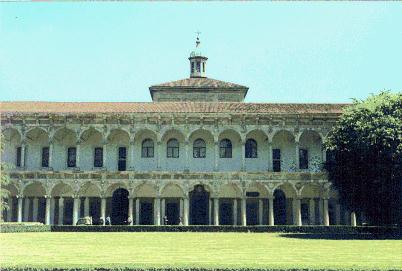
(198, 39)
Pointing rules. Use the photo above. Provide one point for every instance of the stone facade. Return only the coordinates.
(157, 164)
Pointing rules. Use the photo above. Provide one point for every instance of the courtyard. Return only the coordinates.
(201, 250)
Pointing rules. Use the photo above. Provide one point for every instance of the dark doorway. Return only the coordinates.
(172, 212)
(94, 209)
(252, 212)
(279, 207)
(199, 204)
(119, 207)
(68, 211)
(146, 213)
(226, 212)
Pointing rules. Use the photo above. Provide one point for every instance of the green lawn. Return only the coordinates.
(162, 249)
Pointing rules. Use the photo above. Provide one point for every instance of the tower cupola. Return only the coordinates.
(198, 62)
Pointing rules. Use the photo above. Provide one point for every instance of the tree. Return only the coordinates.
(365, 157)
(5, 180)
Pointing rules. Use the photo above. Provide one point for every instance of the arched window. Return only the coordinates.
(199, 148)
(172, 150)
(225, 148)
(147, 148)
(251, 148)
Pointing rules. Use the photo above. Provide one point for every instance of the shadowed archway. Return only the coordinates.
(199, 206)
(119, 207)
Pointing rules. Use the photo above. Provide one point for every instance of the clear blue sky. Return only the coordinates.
(284, 52)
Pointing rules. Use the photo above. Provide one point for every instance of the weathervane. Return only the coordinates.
(198, 39)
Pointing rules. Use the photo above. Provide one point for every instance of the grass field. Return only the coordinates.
(161, 249)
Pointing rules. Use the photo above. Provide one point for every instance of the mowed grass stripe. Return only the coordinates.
(162, 249)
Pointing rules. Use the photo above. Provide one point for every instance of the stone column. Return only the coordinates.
(86, 206)
(243, 155)
(346, 217)
(234, 211)
(10, 209)
(103, 209)
(35, 203)
(260, 211)
(137, 211)
(297, 156)
(187, 156)
(157, 211)
(243, 212)
(325, 214)
(270, 163)
(51, 154)
(353, 222)
(338, 214)
(181, 209)
(48, 213)
(76, 209)
(26, 209)
(23, 155)
(163, 207)
(324, 155)
(186, 211)
(210, 212)
(297, 212)
(130, 209)
(52, 208)
(216, 162)
(271, 218)
(104, 155)
(158, 155)
(78, 151)
(216, 211)
(61, 211)
(311, 211)
(320, 211)
(19, 213)
(132, 155)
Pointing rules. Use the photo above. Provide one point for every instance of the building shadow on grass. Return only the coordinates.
(353, 236)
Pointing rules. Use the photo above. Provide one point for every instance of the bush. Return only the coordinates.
(8, 227)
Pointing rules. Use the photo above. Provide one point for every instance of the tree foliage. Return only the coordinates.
(4, 181)
(366, 151)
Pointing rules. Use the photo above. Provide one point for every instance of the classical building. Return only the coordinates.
(197, 155)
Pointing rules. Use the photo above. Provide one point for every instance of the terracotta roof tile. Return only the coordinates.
(200, 82)
(167, 107)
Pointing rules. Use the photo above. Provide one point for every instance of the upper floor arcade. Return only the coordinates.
(197, 148)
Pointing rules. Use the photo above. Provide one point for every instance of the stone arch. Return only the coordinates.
(259, 163)
(145, 133)
(200, 133)
(146, 190)
(258, 187)
(208, 187)
(12, 139)
(91, 135)
(118, 136)
(62, 190)
(34, 189)
(172, 133)
(311, 141)
(230, 190)
(12, 190)
(37, 134)
(65, 135)
(148, 162)
(206, 163)
(114, 186)
(235, 162)
(284, 140)
(11, 135)
(89, 189)
(288, 189)
(172, 190)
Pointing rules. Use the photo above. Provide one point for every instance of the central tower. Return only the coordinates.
(198, 62)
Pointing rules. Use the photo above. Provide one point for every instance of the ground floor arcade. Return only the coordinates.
(198, 205)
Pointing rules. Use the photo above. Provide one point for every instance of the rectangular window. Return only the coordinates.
(203, 66)
(18, 161)
(98, 157)
(276, 160)
(45, 157)
(198, 66)
(122, 159)
(173, 152)
(71, 157)
(192, 67)
(303, 158)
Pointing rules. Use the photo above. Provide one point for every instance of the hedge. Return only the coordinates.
(30, 227)
(170, 269)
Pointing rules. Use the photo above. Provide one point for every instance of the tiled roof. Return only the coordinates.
(199, 82)
(167, 107)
